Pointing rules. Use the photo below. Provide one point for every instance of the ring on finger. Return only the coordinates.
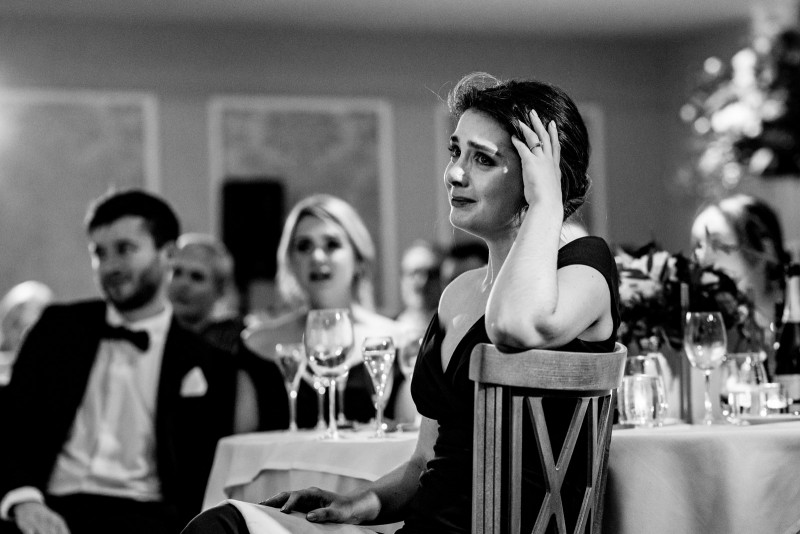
(536, 145)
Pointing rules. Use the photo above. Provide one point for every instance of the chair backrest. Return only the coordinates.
(510, 387)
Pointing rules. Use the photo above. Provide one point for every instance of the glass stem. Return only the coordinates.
(333, 431)
(340, 417)
(379, 419)
(292, 410)
(320, 409)
(709, 417)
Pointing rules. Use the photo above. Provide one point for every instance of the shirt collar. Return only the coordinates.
(155, 324)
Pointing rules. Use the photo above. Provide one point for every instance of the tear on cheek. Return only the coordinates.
(505, 169)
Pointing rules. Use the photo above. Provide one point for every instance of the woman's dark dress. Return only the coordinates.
(443, 502)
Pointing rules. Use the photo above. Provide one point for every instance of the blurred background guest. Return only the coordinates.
(202, 284)
(325, 260)
(463, 257)
(19, 309)
(420, 285)
(742, 236)
(200, 291)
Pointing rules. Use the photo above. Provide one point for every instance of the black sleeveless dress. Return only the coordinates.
(443, 502)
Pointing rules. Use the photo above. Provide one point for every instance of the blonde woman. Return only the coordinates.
(325, 260)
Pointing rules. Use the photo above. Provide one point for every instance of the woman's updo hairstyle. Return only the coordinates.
(511, 101)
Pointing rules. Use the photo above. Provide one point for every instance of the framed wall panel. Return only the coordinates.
(313, 145)
(58, 151)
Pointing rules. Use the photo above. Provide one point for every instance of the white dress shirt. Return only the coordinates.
(111, 446)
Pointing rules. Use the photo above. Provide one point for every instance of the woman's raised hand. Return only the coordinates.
(322, 506)
(540, 154)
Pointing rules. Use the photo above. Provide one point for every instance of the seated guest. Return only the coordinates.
(202, 277)
(325, 260)
(19, 309)
(517, 170)
(117, 408)
(741, 236)
(420, 285)
(463, 257)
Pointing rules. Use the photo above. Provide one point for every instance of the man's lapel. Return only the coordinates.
(175, 363)
(87, 332)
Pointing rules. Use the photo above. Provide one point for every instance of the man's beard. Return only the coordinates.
(147, 287)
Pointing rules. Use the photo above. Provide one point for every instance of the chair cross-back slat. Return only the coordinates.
(509, 390)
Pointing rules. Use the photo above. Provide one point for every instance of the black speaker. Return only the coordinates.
(252, 220)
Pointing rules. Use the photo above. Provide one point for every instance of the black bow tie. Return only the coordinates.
(138, 338)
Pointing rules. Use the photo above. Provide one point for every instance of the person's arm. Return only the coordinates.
(532, 303)
(246, 412)
(384, 501)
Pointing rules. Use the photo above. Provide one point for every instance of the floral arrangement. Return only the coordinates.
(651, 302)
(745, 116)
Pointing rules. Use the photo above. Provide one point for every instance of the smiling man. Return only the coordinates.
(117, 408)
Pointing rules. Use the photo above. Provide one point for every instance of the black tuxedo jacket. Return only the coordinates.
(48, 384)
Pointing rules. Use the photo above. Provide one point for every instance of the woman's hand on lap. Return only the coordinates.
(322, 506)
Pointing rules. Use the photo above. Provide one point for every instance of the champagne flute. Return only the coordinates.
(379, 353)
(328, 338)
(705, 342)
(292, 363)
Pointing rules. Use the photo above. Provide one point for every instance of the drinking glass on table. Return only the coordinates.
(292, 363)
(642, 395)
(705, 342)
(379, 353)
(328, 339)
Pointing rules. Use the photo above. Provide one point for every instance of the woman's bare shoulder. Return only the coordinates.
(463, 295)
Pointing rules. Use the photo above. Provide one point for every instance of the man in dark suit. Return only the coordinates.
(114, 410)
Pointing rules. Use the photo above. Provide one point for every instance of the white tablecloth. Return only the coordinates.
(676, 479)
(713, 480)
(252, 467)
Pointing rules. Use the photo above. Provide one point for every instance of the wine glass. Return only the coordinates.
(705, 341)
(292, 363)
(328, 338)
(379, 353)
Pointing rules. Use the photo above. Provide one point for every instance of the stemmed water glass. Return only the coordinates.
(705, 342)
(292, 363)
(328, 339)
(379, 353)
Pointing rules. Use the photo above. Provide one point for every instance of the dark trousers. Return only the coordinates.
(99, 514)
(223, 519)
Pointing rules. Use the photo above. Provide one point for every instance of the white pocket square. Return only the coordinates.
(194, 383)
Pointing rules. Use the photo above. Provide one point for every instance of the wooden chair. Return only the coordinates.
(507, 383)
